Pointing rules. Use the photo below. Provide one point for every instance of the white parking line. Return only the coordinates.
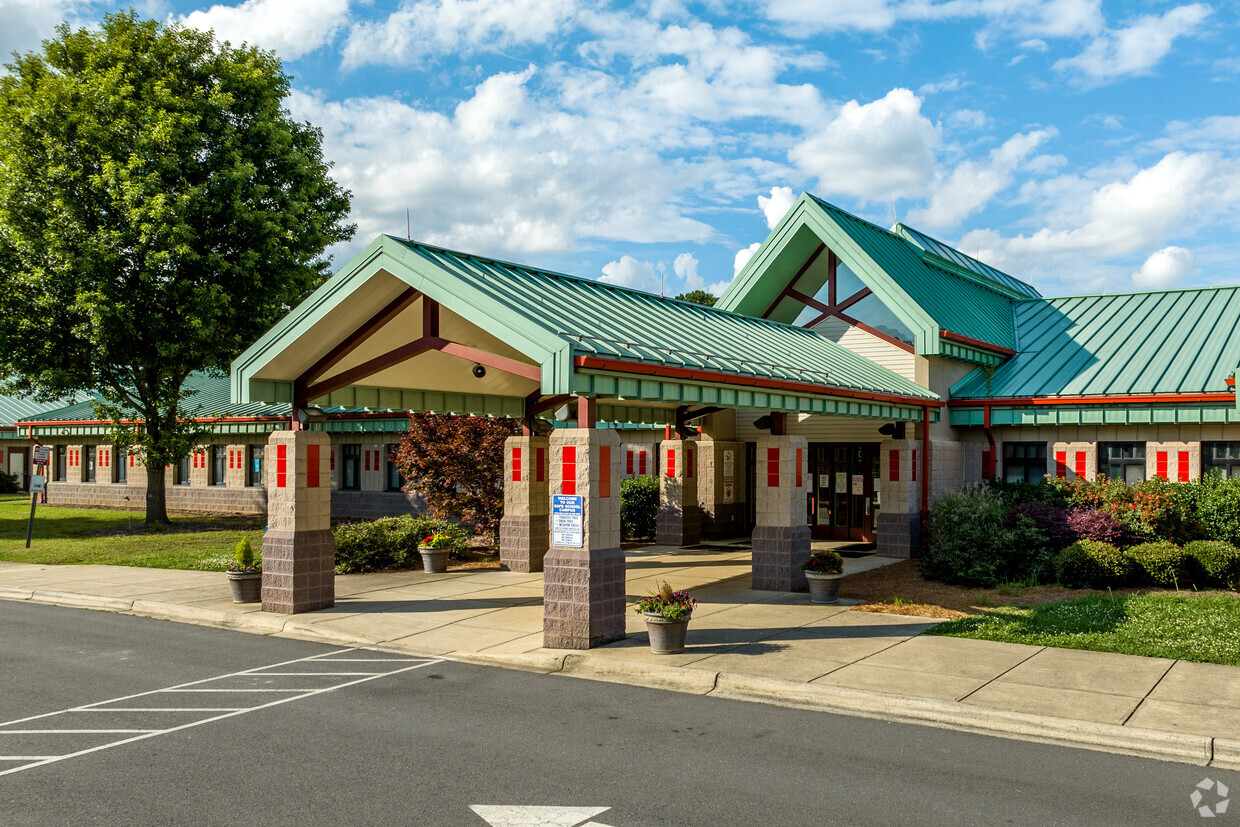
(69, 731)
(225, 712)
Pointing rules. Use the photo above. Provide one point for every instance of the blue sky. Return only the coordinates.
(1082, 146)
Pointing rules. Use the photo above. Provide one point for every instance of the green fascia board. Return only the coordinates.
(1061, 415)
(749, 295)
(966, 353)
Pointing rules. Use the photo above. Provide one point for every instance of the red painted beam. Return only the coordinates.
(977, 343)
(792, 282)
(357, 337)
(491, 360)
(368, 368)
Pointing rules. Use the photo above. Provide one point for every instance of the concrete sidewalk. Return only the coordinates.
(761, 646)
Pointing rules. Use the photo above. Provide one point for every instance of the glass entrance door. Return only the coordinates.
(844, 491)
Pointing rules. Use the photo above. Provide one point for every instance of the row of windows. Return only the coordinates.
(1117, 460)
(218, 459)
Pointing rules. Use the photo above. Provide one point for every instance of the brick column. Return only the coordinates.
(199, 467)
(523, 538)
(899, 515)
(721, 488)
(299, 552)
(583, 587)
(680, 520)
(781, 537)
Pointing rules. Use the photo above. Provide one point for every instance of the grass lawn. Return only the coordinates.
(79, 535)
(1197, 627)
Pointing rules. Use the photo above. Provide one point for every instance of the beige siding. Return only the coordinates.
(814, 428)
(870, 346)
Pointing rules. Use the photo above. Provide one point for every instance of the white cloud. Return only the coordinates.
(877, 151)
(972, 184)
(833, 15)
(742, 258)
(1167, 267)
(27, 23)
(777, 205)
(291, 27)
(951, 84)
(1135, 49)
(1221, 132)
(436, 27)
(719, 287)
(686, 267)
(1025, 19)
(629, 272)
(968, 119)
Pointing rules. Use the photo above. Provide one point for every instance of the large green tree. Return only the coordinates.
(159, 210)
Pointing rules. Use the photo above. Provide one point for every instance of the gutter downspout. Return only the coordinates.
(925, 476)
(990, 437)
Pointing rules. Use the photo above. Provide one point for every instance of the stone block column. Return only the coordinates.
(680, 520)
(781, 536)
(583, 585)
(299, 551)
(523, 537)
(899, 517)
(721, 489)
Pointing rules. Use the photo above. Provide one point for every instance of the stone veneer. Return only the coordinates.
(721, 498)
(899, 517)
(583, 588)
(781, 538)
(679, 520)
(298, 548)
(523, 531)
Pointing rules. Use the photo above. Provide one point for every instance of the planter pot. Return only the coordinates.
(823, 588)
(247, 586)
(667, 637)
(434, 560)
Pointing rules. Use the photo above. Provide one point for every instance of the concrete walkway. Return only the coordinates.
(752, 645)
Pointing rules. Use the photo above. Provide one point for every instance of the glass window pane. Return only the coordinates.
(1134, 473)
(874, 313)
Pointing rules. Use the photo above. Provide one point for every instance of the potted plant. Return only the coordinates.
(667, 619)
(823, 570)
(434, 550)
(245, 574)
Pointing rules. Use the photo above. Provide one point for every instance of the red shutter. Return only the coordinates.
(628, 463)
(671, 462)
(913, 466)
(568, 470)
(333, 460)
(1160, 468)
(641, 463)
(281, 466)
(1061, 464)
(987, 473)
(1182, 461)
(604, 471)
(1080, 464)
(893, 465)
(772, 468)
(312, 466)
(516, 464)
(800, 468)
(540, 470)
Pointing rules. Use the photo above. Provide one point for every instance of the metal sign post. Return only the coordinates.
(38, 485)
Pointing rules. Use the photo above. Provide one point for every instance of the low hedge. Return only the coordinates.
(1213, 563)
(389, 542)
(639, 507)
(1160, 564)
(1093, 564)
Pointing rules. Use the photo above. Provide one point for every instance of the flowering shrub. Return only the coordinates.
(824, 562)
(440, 539)
(390, 542)
(970, 541)
(1088, 523)
(1093, 564)
(667, 603)
(1050, 520)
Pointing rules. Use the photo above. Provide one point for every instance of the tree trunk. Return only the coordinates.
(156, 500)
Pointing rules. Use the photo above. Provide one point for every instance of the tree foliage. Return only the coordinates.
(159, 209)
(457, 464)
(699, 297)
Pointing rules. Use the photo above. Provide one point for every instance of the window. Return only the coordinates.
(120, 465)
(89, 457)
(183, 470)
(61, 473)
(1222, 458)
(1024, 461)
(1122, 461)
(351, 470)
(395, 482)
(255, 470)
(219, 462)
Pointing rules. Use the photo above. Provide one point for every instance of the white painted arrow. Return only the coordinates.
(511, 816)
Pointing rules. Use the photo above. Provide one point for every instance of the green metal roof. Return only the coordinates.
(931, 288)
(1165, 342)
(19, 408)
(607, 321)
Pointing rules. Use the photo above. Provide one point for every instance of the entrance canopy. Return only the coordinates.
(407, 326)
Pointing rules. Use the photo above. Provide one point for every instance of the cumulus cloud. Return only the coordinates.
(290, 27)
(742, 258)
(686, 268)
(777, 205)
(27, 23)
(1134, 49)
(972, 184)
(1167, 267)
(877, 151)
(435, 27)
(629, 272)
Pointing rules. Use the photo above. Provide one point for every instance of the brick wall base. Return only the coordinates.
(899, 535)
(679, 526)
(726, 521)
(523, 543)
(778, 553)
(371, 505)
(299, 571)
(213, 499)
(583, 598)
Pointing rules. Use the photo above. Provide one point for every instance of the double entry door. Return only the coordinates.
(845, 489)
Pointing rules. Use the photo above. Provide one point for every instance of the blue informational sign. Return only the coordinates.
(567, 520)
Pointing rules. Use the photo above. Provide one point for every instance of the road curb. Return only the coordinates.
(593, 667)
(81, 601)
(1226, 754)
(11, 593)
(544, 663)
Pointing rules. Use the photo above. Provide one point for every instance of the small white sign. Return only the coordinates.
(858, 484)
(824, 480)
(38, 484)
(567, 521)
(729, 464)
(42, 454)
(729, 491)
(841, 482)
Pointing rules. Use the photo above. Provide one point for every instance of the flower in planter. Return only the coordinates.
(439, 540)
(667, 603)
(824, 562)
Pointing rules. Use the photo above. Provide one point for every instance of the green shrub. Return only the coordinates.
(970, 541)
(1217, 503)
(9, 484)
(390, 542)
(1213, 563)
(1160, 564)
(639, 507)
(1093, 564)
